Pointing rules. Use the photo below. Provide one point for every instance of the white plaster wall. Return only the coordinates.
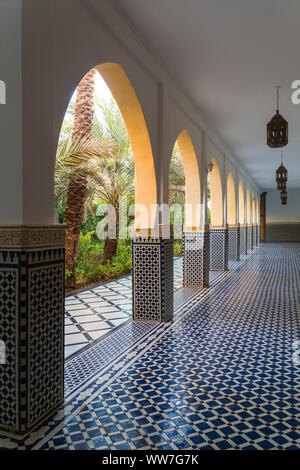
(62, 40)
(276, 212)
(11, 186)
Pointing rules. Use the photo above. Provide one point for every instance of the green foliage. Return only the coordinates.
(60, 211)
(89, 269)
(208, 216)
(177, 247)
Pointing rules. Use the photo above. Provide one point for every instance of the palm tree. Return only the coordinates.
(176, 178)
(79, 154)
(117, 174)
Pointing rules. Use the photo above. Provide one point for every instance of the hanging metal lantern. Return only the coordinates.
(281, 176)
(283, 196)
(277, 129)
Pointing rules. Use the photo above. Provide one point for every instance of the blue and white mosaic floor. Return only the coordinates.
(92, 313)
(221, 376)
(96, 312)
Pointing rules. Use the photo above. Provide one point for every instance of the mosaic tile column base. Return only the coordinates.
(152, 278)
(196, 259)
(243, 240)
(258, 234)
(218, 249)
(254, 242)
(32, 271)
(234, 243)
(249, 237)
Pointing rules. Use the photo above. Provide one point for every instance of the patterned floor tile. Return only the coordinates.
(94, 306)
(220, 376)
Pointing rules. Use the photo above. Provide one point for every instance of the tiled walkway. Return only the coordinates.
(92, 313)
(95, 312)
(221, 376)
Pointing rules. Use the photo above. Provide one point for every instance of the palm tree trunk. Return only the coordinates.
(77, 189)
(111, 244)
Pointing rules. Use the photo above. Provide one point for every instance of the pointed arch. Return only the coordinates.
(241, 204)
(216, 195)
(231, 201)
(145, 180)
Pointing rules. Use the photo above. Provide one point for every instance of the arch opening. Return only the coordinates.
(192, 181)
(248, 207)
(241, 204)
(253, 209)
(215, 204)
(231, 201)
(130, 108)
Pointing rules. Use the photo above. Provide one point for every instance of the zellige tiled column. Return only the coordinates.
(254, 243)
(152, 276)
(249, 237)
(32, 274)
(218, 248)
(234, 242)
(243, 239)
(196, 256)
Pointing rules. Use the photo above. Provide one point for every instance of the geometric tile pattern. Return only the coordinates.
(196, 262)
(31, 321)
(218, 249)
(243, 240)
(8, 324)
(46, 339)
(95, 312)
(234, 243)
(254, 235)
(152, 274)
(249, 237)
(221, 376)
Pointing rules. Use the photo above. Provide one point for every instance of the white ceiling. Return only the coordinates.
(228, 55)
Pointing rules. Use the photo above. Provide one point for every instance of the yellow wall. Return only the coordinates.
(248, 207)
(192, 180)
(216, 198)
(231, 201)
(253, 209)
(241, 204)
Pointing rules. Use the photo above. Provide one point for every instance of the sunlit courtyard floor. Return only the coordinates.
(93, 313)
(224, 374)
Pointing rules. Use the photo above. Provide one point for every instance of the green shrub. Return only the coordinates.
(177, 247)
(89, 268)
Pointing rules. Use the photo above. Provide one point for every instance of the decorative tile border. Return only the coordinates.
(29, 237)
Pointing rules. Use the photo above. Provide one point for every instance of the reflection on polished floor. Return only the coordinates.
(221, 376)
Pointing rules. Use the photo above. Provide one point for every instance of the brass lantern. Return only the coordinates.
(277, 129)
(283, 197)
(281, 176)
